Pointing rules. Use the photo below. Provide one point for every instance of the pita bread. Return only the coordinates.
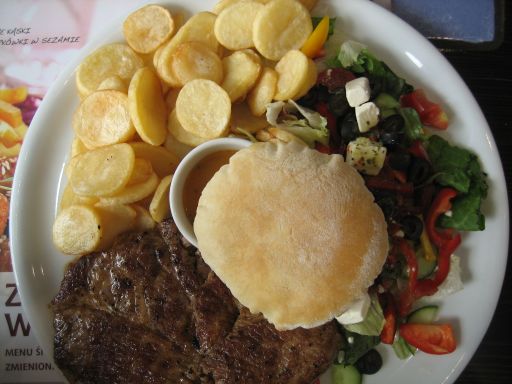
(293, 233)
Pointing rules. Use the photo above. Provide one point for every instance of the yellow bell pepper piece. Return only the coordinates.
(316, 40)
(428, 250)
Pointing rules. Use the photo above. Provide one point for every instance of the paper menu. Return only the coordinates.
(37, 40)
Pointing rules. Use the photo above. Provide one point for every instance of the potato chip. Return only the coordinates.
(143, 219)
(194, 60)
(163, 161)
(115, 83)
(147, 106)
(242, 117)
(77, 230)
(147, 28)
(132, 193)
(142, 170)
(114, 59)
(159, 207)
(280, 26)
(233, 27)
(310, 79)
(103, 171)
(241, 70)
(203, 108)
(198, 28)
(263, 91)
(170, 98)
(70, 198)
(292, 70)
(175, 146)
(103, 118)
(77, 147)
(180, 134)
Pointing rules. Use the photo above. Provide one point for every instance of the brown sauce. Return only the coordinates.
(199, 176)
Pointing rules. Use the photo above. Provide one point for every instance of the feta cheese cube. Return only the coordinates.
(366, 156)
(357, 91)
(367, 116)
(357, 311)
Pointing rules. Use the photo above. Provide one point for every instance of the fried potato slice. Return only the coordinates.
(175, 146)
(70, 198)
(103, 171)
(143, 219)
(241, 70)
(77, 147)
(292, 70)
(198, 28)
(263, 91)
(103, 118)
(309, 4)
(310, 79)
(115, 219)
(195, 60)
(148, 27)
(163, 161)
(142, 170)
(180, 134)
(281, 25)
(115, 83)
(132, 193)
(159, 207)
(114, 59)
(203, 108)
(170, 98)
(77, 230)
(233, 27)
(242, 117)
(147, 106)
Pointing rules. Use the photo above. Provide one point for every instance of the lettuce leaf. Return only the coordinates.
(459, 168)
(306, 124)
(357, 58)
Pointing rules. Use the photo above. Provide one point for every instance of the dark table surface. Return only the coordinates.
(489, 76)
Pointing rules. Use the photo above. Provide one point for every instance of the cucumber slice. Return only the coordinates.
(402, 349)
(425, 267)
(424, 315)
(346, 374)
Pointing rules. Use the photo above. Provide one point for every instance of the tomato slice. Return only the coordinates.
(430, 113)
(437, 339)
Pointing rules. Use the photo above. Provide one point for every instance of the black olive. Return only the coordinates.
(369, 363)
(388, 205)
(419, 171)
(393, 123)
(310, 99)
(412, 227)
(399, 160)
(338, 104)
(348, 127)
(392, 139)
(391, 130)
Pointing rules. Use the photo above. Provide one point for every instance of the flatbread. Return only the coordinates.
(293, 233)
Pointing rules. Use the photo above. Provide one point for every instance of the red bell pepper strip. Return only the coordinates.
(440, 205)
(408, 295)
(378, 182)
(430, 113)
(323, 109)
(427, 287)
(417, 149)
(437, 339)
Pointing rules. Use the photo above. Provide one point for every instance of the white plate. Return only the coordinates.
(39, 267)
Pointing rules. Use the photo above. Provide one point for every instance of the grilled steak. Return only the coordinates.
(149, 310)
